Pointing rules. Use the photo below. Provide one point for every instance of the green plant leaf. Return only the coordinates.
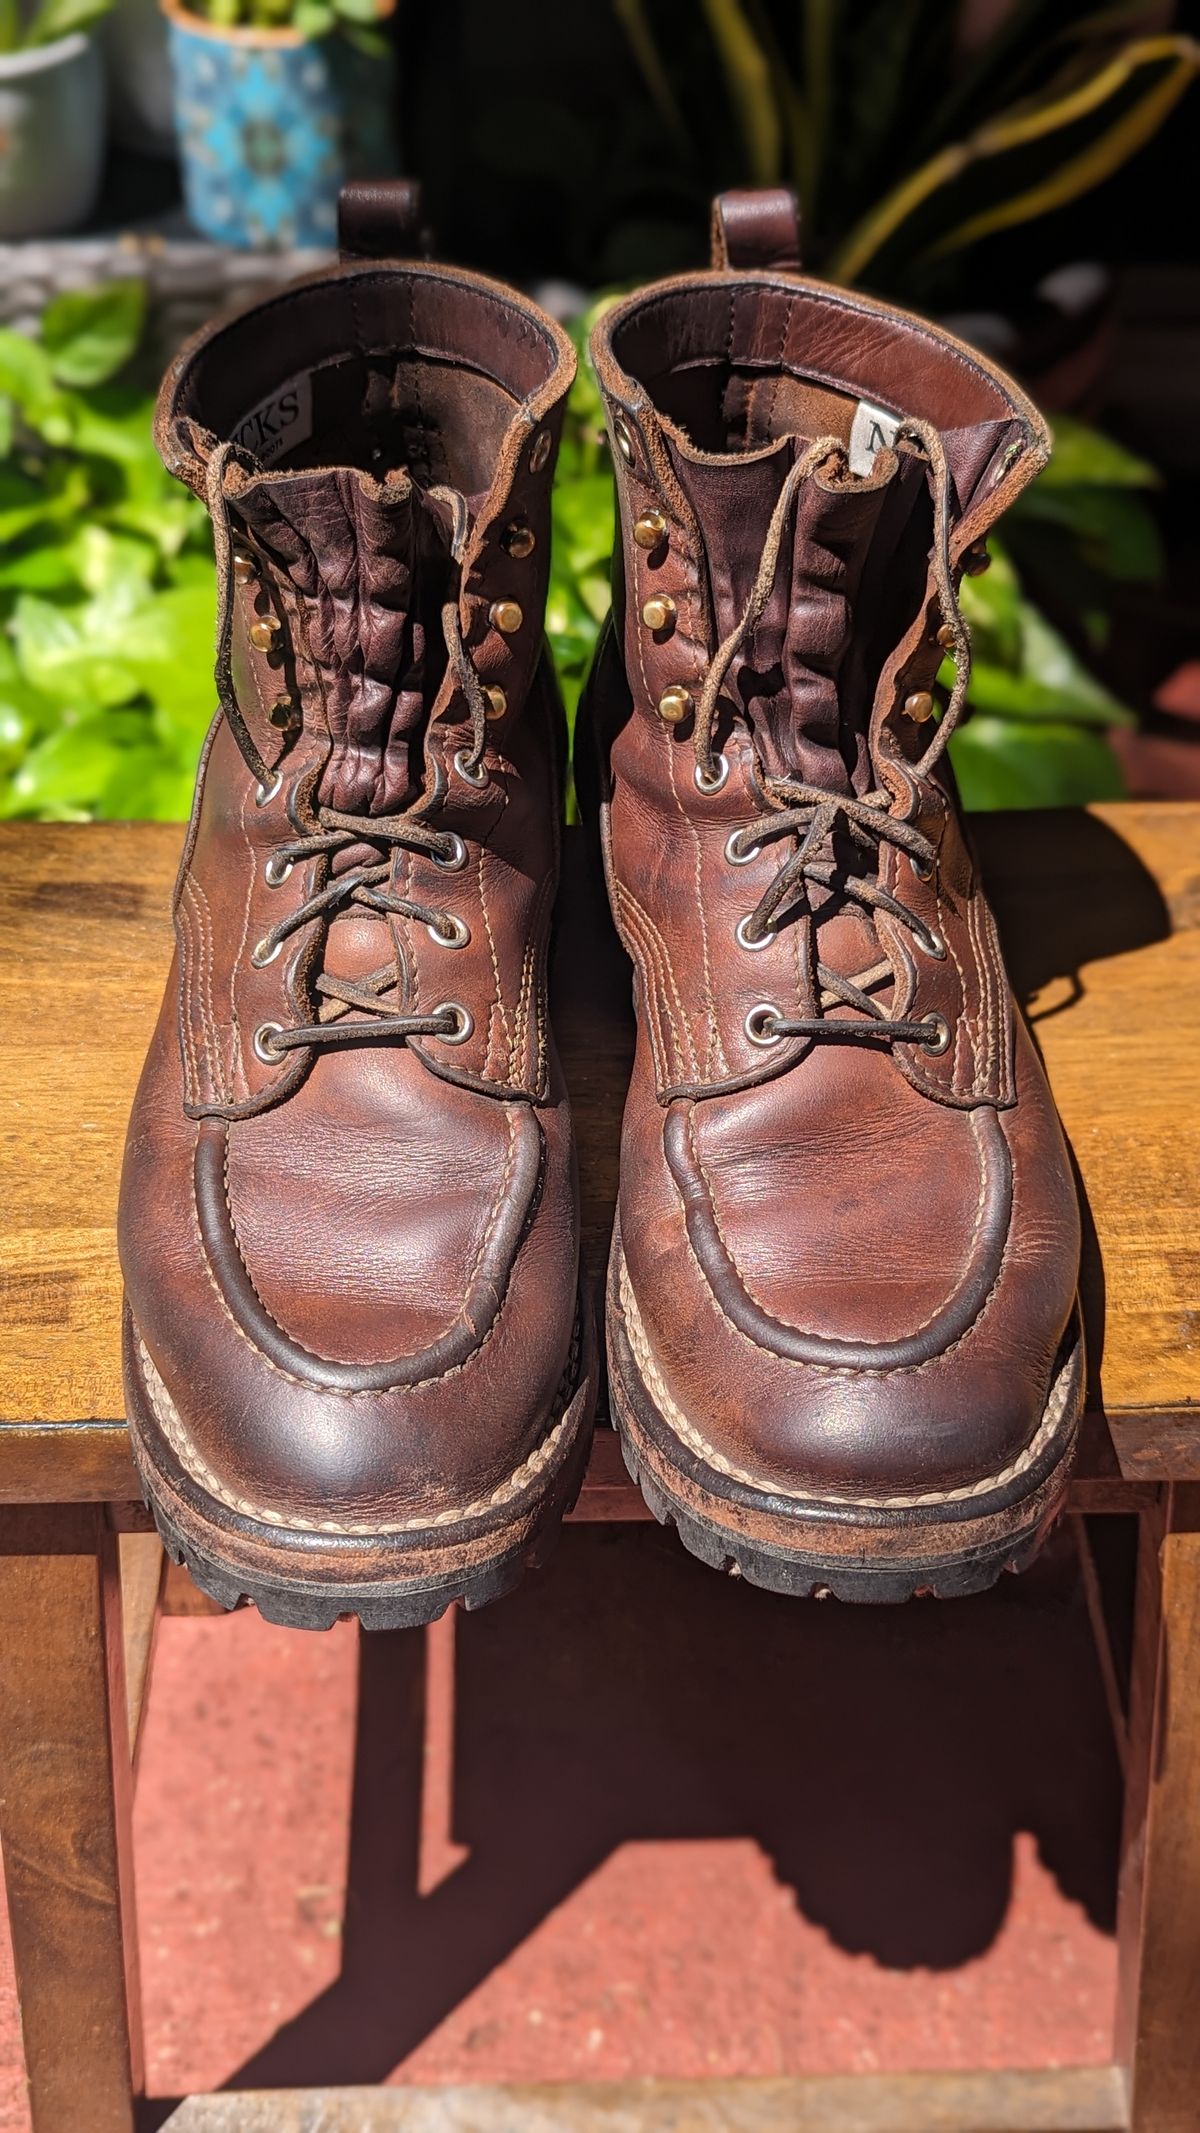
(89, 334)
(1083, 455)
(1002, 763)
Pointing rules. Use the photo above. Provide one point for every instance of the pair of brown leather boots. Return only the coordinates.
(844, 1344)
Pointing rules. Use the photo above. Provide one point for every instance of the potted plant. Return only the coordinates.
(51, 116)
(276, 102)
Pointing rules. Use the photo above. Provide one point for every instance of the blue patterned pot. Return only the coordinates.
(269, 124)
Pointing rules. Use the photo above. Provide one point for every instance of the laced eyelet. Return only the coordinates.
(922, 873)
(474, 776)
(755, 1024)
(453, 859)
(276, 871)
(265, 793)
(464, 1022)
(930, 943)
(264, 952)
(743, 857)
(940, 1041)
(720, 771)
(263, 1047)
(747, 940)
(457, 934)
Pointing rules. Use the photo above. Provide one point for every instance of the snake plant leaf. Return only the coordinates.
(1041, 156)
(634, 18)
(59, 18)
(751, 87)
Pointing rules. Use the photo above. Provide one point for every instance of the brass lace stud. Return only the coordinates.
(650, 529)
(919, 706)
(977, 560)
(946, 637)
(497, 702)
(262, 632)
(519, 540)
(659, 613)
(506, 616)
(244, 569)
(674, 704)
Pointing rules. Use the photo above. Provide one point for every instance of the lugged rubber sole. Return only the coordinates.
(399, 1579)
(868, 1551)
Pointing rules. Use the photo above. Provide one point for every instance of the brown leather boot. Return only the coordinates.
(357, 1377)
(845, 1348)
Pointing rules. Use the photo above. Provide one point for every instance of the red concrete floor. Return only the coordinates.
(668, 1825)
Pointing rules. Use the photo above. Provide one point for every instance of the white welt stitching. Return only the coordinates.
(672, 1414)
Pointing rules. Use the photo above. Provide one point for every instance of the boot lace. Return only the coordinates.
(816, 817)
(336, 832)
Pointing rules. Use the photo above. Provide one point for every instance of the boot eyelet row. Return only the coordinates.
(710, 782)
(940, 1040)
(264, 952)
(265, 793)
(922, 873)
(759, 1022)
(748, 940)
(930, 943)
(276, 870)
(476, 776)
(740, 855)
(456, 934)
(464, 1022)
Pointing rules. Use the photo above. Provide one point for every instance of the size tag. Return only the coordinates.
(872, 430)
(276, 425)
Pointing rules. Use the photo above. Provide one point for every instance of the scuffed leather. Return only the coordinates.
(853, 1265)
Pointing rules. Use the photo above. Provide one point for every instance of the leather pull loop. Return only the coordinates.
(756, 230)
(381, 218)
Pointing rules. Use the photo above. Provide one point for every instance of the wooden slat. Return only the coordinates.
(142, 1566)
(1088, 2100)
(1101, 921)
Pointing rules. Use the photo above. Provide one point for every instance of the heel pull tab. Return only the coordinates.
(381, 218)
(756, 230)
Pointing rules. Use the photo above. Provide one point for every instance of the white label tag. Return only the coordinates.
(871, 431)
(276, 425)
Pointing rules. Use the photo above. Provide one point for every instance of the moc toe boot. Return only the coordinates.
(844, 1340)
(357, 1375)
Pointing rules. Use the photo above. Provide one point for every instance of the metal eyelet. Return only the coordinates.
(265, 793)
(922, 873)
(540, 451)
(745, 940)
(276, 870)
(263, 1048)
(941, 1041)
(464, 1022)
(457, 935)
(720, 772)
(624, 439)
(476, 776)
(755, 1024)
(743, 857)
(930, 943)
(264, 952)
(455, 858)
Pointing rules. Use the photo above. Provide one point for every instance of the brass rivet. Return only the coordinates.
(506, 616)
(650, 529)
(674, 704)
(659, 613)
(541, 451)
(919, 706)
(262, 632)
(497, 702)
(281, 711)
(946, 637)
(244, 569)
(624, 440)
(976, 561)
(519, 540)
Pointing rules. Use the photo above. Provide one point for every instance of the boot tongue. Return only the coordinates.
(369, 560)
(805, 676)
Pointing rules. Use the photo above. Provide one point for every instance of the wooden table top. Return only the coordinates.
(1100, 914)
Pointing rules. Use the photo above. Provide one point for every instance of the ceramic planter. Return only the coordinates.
(269, 124)
(51, 137)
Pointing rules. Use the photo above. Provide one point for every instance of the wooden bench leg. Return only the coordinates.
(1158, 2035)
(65, 1796)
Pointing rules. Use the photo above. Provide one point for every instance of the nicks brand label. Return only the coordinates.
(276, 425)
(871, 431)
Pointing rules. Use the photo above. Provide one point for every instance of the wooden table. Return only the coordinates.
(1100, 913)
